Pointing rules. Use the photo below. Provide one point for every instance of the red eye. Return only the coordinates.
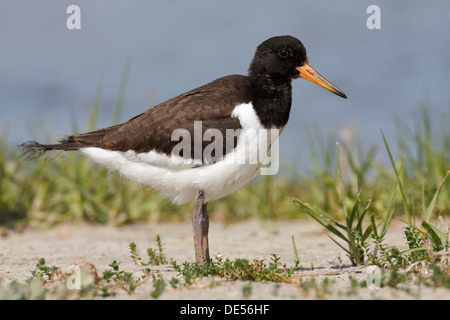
(283, 53)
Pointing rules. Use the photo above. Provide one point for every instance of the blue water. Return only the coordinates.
(49, 74)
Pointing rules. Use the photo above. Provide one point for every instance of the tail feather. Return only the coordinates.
(33, 149)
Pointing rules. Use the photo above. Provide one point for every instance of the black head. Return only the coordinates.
(278, 57)
(282, 59)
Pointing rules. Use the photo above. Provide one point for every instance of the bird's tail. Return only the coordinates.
(33, 149)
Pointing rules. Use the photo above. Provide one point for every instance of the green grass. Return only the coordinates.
(359, 230)
(238, 269)
(353, 196)
(155, 256)
(61, 188)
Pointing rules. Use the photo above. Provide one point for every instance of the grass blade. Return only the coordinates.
(361, 217)
(430, 207)
(352, 216)
(397, 174)
(297, 258)
(95, 109)
(437, 236)
(322, 218)
(390, 212)
(341, 180)
(120, 97)
(346, 250)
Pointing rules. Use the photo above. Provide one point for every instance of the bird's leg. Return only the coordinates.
(200, 222)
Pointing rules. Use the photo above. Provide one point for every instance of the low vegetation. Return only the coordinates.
(346, 191)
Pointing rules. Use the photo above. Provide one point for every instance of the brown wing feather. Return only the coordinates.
(212, 104)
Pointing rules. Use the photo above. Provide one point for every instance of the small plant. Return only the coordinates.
(238, 269)
(357, 237)
(158, 287)
(115, 278)
(155, 256)
(320, 288)
(246, 290)
(135, 255)
(44, 272)
(297, 259)
(353, 232)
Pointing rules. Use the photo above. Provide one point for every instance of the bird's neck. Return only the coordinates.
(273, 98)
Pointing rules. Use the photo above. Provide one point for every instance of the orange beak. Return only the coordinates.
(308, 73)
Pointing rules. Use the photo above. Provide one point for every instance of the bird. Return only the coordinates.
(206, 143)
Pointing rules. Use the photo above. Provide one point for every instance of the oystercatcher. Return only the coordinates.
(205, 143)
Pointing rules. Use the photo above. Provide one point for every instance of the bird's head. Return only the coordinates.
(284, 57)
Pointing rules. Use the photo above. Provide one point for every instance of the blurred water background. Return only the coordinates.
(50, 75)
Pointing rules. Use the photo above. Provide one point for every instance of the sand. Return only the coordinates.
(66, 245)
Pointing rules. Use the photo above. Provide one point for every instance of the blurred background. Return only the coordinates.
(50, 76)
(55, 82)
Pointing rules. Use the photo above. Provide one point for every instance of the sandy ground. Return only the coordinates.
(62, 246)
